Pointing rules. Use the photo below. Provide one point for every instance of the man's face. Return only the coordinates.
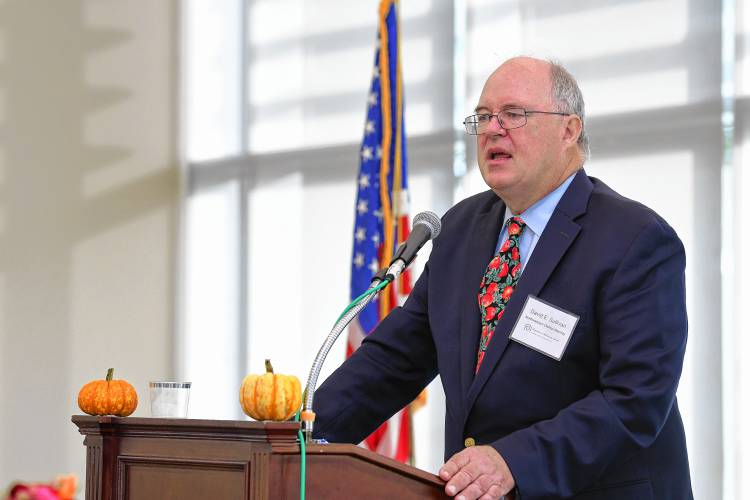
(524, 164)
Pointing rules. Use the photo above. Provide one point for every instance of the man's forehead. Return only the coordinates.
(519, 81)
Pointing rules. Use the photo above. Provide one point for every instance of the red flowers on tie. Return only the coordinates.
(507, 292)
(515, 270)
(504, 271)
(498, 283)
(490, 314)
(495, 263)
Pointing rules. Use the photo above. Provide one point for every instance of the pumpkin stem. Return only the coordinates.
(269, 368)
(110, 373)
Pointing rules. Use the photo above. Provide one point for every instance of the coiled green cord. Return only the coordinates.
(302, 450)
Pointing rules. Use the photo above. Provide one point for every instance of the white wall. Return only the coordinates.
(88, 206)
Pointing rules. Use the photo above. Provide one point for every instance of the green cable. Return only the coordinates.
(367, 292)
(302, 461)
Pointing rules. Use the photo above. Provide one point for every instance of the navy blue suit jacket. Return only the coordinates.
(601, 423)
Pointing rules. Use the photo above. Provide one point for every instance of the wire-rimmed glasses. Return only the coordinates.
(508, 118)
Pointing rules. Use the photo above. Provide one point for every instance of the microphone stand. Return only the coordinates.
(379, 281)
(426, 226)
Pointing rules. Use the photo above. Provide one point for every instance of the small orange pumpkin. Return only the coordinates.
(270, 396)
(108, 397)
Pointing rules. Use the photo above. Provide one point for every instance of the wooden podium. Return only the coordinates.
(165, 459)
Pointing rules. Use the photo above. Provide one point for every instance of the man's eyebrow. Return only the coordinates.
(505, 106)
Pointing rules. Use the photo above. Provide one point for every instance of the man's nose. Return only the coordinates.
(494, 127)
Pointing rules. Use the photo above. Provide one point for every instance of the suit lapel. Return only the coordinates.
(481, 243)
(558, 235)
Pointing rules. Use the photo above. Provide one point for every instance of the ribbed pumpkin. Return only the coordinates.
(270, 396)
(108, 397)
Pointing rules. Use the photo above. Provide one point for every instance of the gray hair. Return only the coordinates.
(568, 98)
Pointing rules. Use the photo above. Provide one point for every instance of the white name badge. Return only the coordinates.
(544, 327)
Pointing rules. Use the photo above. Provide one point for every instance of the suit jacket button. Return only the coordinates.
(469, 442)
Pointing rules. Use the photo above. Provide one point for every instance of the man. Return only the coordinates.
(587, 412)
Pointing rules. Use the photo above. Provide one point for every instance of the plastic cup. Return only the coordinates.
(169, 399)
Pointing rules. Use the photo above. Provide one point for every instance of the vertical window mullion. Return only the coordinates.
(244, 216)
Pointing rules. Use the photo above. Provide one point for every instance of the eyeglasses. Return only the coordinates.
(509, 118)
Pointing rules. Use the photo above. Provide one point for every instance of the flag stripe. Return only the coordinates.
(385, 160)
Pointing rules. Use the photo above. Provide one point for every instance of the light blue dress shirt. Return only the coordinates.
(536, 218)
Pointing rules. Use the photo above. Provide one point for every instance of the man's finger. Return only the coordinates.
(460, 481)
(483, 487)
(447, 470)
(493, 493)
(456, 462)
(485, 482)
(471, 492)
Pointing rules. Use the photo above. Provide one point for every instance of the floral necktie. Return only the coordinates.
(498, 284)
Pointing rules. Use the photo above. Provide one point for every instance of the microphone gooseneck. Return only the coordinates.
(425, 226)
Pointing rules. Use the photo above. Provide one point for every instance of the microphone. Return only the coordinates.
(425, 226)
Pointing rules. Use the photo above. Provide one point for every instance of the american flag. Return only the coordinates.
(381, 220)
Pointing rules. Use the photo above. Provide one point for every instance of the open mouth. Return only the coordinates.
(499, 155)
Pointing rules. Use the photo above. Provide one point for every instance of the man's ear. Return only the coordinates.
(573, 129)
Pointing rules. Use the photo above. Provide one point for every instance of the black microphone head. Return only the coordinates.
(430, 220)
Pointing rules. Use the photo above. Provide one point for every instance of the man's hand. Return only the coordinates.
(478, 472)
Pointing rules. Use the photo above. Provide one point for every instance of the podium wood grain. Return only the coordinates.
(158, 458)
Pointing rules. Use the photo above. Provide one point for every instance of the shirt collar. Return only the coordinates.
(537, 215)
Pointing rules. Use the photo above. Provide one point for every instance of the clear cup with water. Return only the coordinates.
(169, 399)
